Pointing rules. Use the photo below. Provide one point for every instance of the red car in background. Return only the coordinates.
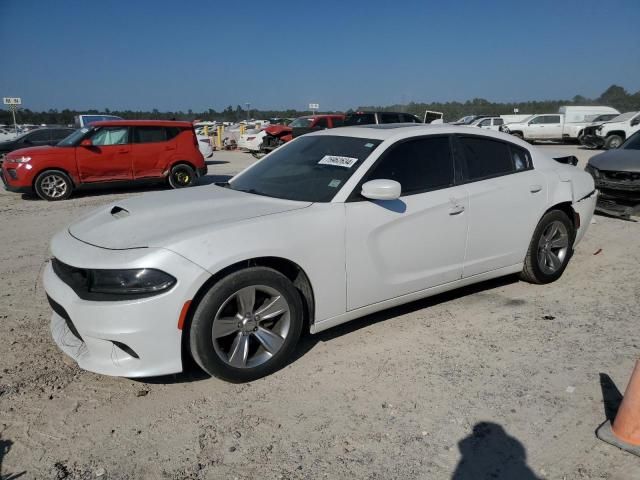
(277, 135)
(122, 151)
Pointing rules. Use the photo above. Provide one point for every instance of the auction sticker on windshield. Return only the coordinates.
(337, 161)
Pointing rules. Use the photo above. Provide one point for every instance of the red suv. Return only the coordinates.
(123, 151)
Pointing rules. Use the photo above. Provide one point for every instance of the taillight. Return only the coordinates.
(195, 138)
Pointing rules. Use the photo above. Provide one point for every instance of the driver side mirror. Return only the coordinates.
(86, 143)
(381, 190)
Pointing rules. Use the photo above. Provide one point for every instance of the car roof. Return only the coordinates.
(400, 130)
(141, 123)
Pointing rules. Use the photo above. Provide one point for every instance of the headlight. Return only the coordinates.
(130, 282)
(22, 159)
(595, 173)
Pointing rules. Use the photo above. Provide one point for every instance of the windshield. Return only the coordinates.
(301, 122)
(623, 117)
(633, 143)
(74, 138)
(309, 169)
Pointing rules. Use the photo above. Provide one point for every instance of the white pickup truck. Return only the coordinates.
(567, 124)
(613, 133)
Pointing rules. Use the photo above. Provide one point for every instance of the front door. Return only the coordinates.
(108, 159)
(397, 247)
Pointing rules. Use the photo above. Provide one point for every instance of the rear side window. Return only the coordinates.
(172, 132)
(337, 122)
(521, 158)
(390, 118)
(60, 134)
(486, 158)
(498, 121)
(149, 135)
(419, 165)
(360, 119)
(322, 123)
(40, 136)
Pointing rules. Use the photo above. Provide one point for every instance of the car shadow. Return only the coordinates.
(611, 397)
(5, 447)
(490, 453)
(215, 162)
(308, 341)
(105, 189)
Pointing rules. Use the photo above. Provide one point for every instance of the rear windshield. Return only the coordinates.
(360, 119)
(309, 169)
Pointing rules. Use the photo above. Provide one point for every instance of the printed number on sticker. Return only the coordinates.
(337, 161)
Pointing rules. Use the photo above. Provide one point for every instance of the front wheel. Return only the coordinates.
(181, 176)
(613, 141)
(550, 248)
(247, 325)
(53, 185)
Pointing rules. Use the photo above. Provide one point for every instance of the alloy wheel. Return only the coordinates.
(251, 326)
(53, 186)
(553, 247)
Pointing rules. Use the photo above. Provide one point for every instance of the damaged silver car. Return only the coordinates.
(617, 175)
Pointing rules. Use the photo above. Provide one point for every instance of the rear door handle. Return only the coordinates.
(535, 188)
(456, 210)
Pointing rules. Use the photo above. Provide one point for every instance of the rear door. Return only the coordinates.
(152, 147)
(506, 199)
(108, 159)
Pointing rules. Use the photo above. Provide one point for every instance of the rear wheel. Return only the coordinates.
(550, 248)
(53, 185)
(181, 176)
(613, 141)
(247, 325)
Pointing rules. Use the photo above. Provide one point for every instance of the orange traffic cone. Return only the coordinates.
(624, 433)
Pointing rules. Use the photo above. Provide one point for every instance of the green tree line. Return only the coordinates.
(615, 96)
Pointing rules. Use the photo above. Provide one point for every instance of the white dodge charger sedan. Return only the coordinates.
(330, 227)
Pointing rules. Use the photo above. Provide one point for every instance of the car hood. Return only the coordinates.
(160, 218)
(35, 151)
(617, 160)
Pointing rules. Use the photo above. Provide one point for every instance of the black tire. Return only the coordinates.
(201, 343)
(53, 185)
(182, 175)
(533, 270)
(613, 141)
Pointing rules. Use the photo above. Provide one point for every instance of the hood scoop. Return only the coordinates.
(119, 212)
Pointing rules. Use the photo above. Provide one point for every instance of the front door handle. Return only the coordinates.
(535, 188)
(456, 210)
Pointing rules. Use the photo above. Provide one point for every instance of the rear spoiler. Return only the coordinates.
(568, 160)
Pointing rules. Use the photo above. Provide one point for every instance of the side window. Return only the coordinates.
(521, 158)
(60, 134)
(418, 165)
(321, 123)
(390, 118)
(408, 118)
(486, 158)
(337, 122)
(538, 120)
(149, 135)
(552, 119)
(172, 132)
(111, 136)
(498, 121)
(39, 136)
(485, 123)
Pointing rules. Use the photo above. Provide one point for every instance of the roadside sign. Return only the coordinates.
(12, 100)
(314, 106)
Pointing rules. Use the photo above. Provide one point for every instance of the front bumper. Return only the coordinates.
(619, 193)
(592, 140)
(129, 338)
(15, 178)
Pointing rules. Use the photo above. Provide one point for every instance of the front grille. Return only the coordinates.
(621, 176)
(59, 309)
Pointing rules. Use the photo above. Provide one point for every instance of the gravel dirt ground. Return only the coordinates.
(500, 380)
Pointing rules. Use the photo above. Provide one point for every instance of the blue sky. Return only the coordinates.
(180, 55)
